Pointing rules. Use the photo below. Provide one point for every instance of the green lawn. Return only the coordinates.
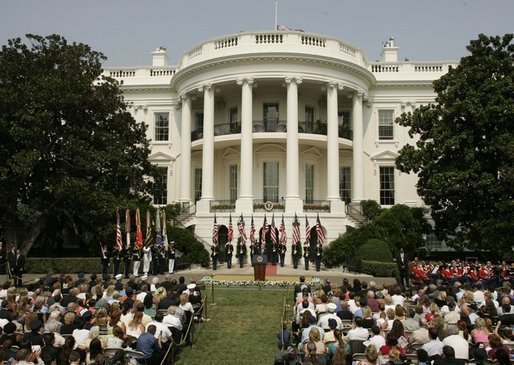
(242, 329)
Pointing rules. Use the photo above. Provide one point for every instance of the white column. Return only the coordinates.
(336, 204)
(185, 159)
(293, 202)
(244, 202)
(358, 152)
(208, 149)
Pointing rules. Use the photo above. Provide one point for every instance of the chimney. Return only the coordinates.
(390, 51)
(160, 57)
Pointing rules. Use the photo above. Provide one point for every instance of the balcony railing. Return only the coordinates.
(260, 205)
(316, 206)
(222, 206)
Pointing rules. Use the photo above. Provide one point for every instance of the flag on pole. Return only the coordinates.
(119, 243)
(319, 231)
(148, 237)
(296, 229)
(307, 231)
(252, 231)
(158, 239)
(215, 231)
(283, 234)
(164, 229)
(127, 227)
(139, 234)
(230, 228)
(264, 230)
(241, 228)
(273, 229)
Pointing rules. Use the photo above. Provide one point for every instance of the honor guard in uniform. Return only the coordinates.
(171, 257)
(105, 261)
(241, 251)
(319, 254)
(136, 259)
(296, 253)
(162, 259)
(214, 256)
(116, 261)
(126, 261)
(306, 255)
(229, 249)
(253, 251)
(147, 259)
(282, 248)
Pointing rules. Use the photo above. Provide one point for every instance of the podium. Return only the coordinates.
(259, 267)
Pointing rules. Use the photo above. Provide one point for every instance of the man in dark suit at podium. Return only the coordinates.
(402, 261)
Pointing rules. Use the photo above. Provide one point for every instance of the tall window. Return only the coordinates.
(309, 119)
(345, 184)
(385, 124)
(161, 126)
(198, 184)
(233, 183)
(309, 184)
(270, 113)
(386, 185)
(233, 115)
(199, 124)
(270, 182)
(161, 187)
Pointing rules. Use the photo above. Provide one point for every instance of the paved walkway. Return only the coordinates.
(287, 273)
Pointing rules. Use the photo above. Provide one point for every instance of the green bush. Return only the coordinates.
(68, 265)
(346, 245)
(374, 250)
(370, 209)
(192, 249)
(379, 269)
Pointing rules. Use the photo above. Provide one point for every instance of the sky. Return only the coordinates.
(127, 31)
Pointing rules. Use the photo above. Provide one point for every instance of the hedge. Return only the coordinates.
(379, 269)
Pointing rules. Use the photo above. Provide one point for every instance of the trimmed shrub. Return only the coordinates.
(68, 265)
(192, 249)
(346, 245)
(379, 269)
(374, 250)
(370, 209)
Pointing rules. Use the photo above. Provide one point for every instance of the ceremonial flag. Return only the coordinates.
(273, 229)
(241, 228)
(319, 231)
(264, 229)
(127, 227)
(230, 228)
(296, 229)
(307, 231)
(119, 243)
(148, 237)
(158, 239)
(283, 235)
(139, 234)
(252, 231)
(164, 229)
(215, 231)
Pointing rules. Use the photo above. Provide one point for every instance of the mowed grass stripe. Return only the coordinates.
(242, 329)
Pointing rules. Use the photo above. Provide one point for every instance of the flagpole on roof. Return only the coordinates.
(276, 14)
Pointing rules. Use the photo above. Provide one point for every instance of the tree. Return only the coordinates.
(465, 148)
(71, 153)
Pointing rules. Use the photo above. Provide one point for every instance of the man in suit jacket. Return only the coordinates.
(402, 262)
(17, 266)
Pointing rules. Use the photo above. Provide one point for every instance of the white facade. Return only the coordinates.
(300, 120)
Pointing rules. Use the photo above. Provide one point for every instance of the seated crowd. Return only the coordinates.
(58, 320)
(442, 321)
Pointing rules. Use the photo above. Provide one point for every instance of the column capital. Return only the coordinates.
(204, 87)
(335, 85)
(297, 80)
(248, 80)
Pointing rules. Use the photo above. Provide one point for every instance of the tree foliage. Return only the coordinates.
(71, 153)
(465, 148)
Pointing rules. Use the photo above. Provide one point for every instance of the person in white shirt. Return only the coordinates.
(171, 320)
(357, 332)
(459, 344)
(434, 346)
(323, 320)
(161, 329)
(377, 339)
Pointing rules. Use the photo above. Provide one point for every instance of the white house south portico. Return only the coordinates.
(302, 122)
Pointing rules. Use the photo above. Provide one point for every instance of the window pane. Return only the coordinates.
(387, 185)
(233, 183)
(385, 124)
(309, 184)
(161, 126)
(198, 184)
(345, 184)
(161, 187)
(270, 182)
(270, 114)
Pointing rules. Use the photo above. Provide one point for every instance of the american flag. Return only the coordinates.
(273, 230)
(215, 231)
(264, 230)
(307, 231)
(230, 229)
(283, 235)
(127, 227)
(158, 239)
(164, 228)
(252, 231)
(139, 234)
(119, 243)
(319, 231)
(296, 229)
(241, 228)
(148, 237)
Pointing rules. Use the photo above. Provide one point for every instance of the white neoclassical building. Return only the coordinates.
(278, 123)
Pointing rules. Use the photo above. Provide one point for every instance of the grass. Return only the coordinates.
(242, 329)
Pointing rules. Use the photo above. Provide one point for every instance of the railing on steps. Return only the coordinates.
(354, 211)
(187, 211)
